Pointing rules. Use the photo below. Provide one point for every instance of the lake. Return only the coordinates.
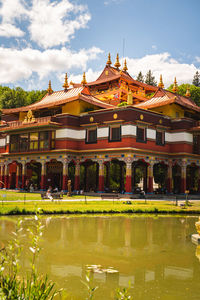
(152, 254)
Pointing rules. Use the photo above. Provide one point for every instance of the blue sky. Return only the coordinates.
(43, 39)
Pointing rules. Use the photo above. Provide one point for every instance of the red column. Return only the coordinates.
(17, 176)
(23, 175)
(6, 177)
(150, 178)
(183, 178)
(77, 177)
(65, 176)
(128, 185)
(198, 179)
(43, 176)
(1, 177)
(169, 178)
(101, 177)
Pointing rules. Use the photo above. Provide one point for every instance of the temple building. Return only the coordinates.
(111, 134)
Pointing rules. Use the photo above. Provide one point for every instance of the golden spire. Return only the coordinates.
(109, 62)
(161, 84)
(125, 68)
(66, 85)
(175, 87)
(84, 82)
(188, 92)
(117, 63)
(49, 90)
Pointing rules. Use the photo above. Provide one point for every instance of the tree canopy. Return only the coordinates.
(140, 77)
(17, 97)
(194, 91)
(196, 79)
(150, 79)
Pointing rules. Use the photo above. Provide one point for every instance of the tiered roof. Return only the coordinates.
(59, 98)
(163, 97)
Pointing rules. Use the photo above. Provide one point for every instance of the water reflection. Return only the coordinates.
(154, 254)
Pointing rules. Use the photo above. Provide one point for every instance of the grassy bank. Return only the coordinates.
(77, 207)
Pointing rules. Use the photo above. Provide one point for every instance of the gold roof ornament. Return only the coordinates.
(175, 87)
(66, 85)
(161, 84)
(125, 68)
(84, 82)
(109, 62)
(29, 118)
(49, 90)
(117, 63)
(187, 94)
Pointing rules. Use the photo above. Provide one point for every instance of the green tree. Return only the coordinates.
(140, 77)
(196, 79)
(194, 91)
(12, 98)
(150, 79)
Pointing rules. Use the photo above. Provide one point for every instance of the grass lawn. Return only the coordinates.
(10, 205)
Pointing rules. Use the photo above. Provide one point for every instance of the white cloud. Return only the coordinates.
(10, 13)
(9, 30)
(107, 2)
(51, 23)
(22, 64)
(163, 64)
(197, 59)
(54, 23)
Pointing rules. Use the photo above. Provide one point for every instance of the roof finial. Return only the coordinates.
(84, 82)
(187, 94)
(175, 87)
(109, 62)
(117, 63)
(49, 90)
(66, 85)
(161, 84)
(125, 68)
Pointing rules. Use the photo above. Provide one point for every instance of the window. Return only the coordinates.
(32, 141)
(141, 135)
(14, 143)
(44, 140)
(196, 144)
(115, 134)
(91, 135)
(160, 138)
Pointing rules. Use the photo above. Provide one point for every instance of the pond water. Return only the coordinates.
(155, 254)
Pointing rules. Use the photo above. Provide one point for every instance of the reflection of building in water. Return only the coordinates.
(146, 251)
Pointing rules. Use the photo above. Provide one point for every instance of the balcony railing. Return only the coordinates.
(16, 124)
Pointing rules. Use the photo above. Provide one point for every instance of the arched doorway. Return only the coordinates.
(89, 176)
(160, 177)
(54, 172)
(33, 175)
(139, 176)
(115, 174)
(176, 179)
(192, 178)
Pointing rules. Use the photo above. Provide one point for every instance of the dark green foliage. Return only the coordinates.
(150, 79)
(194, 91)
(12, 98)
(196, 79)
(140, 77)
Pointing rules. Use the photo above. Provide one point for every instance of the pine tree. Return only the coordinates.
(150, 79)
(196, 79)
(140, 77)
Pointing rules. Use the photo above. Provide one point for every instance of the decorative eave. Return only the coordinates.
(30, 126)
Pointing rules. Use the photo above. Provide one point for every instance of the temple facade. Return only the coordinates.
(112, 134)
